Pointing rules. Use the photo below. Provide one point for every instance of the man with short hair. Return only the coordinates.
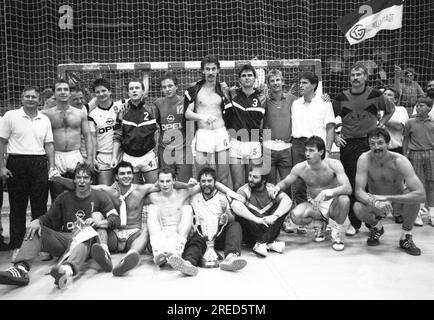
(261, 216)
(358, 108)
(173, 149)
(384, 173)
(204, 103)
(29, 139)
(211, 203)
(102, 124)
(68, 124)
(78, 101)
(244, 114)
(327, 192)
(57, 232)
(136, 126)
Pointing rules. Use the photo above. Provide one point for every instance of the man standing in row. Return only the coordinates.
(358, 107)
(29, 138)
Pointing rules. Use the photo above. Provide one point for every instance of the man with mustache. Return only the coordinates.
(204, 104)
(358, 108)
(384, 173)
(211, 202)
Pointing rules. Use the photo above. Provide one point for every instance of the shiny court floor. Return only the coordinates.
(306, 270)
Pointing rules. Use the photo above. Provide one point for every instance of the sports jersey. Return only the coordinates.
(136, 126)
(170, 117)
(105, 124)
(258, 202)
(212, 205)
(67, 208)
(359, 111)
(244, 112)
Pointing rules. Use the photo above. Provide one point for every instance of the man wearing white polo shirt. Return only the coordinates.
(29, 139)
(310, 116)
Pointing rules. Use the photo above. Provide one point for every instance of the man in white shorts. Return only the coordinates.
(102, 124)
(244, 114)
(204, 103)
(67, 124)
(136, 125)
(327, 192)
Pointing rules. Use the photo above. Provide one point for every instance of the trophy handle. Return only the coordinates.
(222, 226)
(196, 225)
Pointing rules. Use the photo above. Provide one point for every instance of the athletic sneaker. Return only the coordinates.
(320, 232)
(277, 246)
(233, 262)
(337, 243)
(261, 249)
(177, 263)
(16, 275)
(14, 254)
(351, 231)
(102, 257)
(126, 264)
(61, 278)
(409, 246)
(374, 236)
(418, 222)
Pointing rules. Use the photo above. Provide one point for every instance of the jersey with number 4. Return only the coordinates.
(105, 125)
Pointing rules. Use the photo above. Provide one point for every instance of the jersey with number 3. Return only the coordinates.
(245, 112)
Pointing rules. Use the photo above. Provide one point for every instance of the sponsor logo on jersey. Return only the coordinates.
(170, 118)
(110, 121)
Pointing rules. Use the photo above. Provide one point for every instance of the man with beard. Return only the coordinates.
(384, 173)
(54, 232)
(358, 108)
(327, 192)
(204, 103)
(170, 216)
(261, 216)
(211, 202)
(135, 134)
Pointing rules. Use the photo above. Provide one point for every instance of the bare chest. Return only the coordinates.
(65, 119)
(208, 101)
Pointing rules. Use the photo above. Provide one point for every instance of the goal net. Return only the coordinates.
(38, 35)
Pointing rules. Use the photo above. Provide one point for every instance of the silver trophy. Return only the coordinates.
(211, 226)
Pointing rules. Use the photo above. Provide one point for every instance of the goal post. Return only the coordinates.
(188, 72)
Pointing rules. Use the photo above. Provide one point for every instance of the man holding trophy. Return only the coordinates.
(214, 225)
(68, 228)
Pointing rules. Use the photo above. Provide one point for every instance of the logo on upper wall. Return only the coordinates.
(357, 32)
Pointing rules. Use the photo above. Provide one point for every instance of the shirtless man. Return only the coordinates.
(384, 172)
(67, 124)
(204, 103)
(170, 217)
(327, 192)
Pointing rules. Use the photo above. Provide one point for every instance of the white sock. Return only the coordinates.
(378, 226)
(403, 233)
(431, 212)
(67, 268)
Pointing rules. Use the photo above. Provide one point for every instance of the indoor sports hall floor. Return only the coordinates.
(307, 270)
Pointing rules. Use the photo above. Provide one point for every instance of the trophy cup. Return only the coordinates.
(210, 229)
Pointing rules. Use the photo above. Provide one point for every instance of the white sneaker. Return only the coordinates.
(261, 249)
(337, 243)
(418, 222)
(233, 262)
(351, 231)
(277, 246)
(177, 263)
